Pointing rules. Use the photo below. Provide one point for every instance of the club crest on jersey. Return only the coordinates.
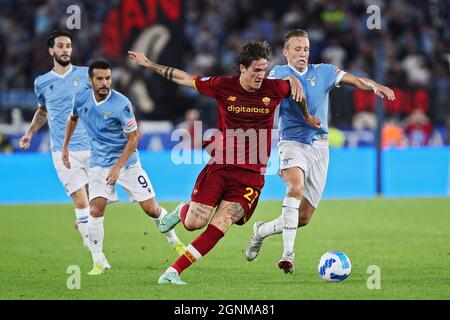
(312, 81)
(232, 98)
(266, 101)
(75, 82)
(105, 114)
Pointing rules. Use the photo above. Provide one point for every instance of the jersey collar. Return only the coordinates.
(103, 101)
(298, 72)
(63, 75)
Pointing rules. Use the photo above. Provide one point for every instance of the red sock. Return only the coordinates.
(198, 248)
(183, 212)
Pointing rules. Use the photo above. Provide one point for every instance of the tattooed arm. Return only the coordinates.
(39, 119)
(170, 73)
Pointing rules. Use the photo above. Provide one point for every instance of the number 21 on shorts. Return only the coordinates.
(251, 196)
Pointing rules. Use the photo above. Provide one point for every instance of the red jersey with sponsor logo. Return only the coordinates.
(245, 119)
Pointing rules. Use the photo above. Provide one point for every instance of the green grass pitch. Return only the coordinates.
(408, 239)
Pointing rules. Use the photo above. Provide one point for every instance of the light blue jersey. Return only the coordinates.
(106, 122)
(56, 92)
(317, 81)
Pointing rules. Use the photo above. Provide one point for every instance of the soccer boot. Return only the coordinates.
(170, 278)
(97, 270)
(286, 263)
(170, 220)
(253, 247)
(179, 247)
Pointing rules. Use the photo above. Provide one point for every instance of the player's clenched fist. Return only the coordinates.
(24, 142)
(65, 158)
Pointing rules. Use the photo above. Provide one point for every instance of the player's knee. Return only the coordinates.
(192, 225)
(80, 199)
(97, 211)
(295, 190)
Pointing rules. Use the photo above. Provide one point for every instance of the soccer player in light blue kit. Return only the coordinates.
(54, 91)
(108, 118)
(303, 150)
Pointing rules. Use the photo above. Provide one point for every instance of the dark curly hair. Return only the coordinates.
(252, 50)
(55, 34)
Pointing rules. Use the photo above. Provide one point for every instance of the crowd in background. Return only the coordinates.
(412, 47)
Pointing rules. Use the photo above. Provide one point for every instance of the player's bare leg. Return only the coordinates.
(152, 209)
(96, 235)
(81, 203)
(194, 216)
(226, 215)
(305, 212)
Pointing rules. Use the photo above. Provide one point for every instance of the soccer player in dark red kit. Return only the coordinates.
(233, 179)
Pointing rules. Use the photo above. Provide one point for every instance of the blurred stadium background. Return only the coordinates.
(395, 150)
(410, 53)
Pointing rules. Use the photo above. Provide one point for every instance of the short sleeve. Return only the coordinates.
(334, 76)
(127, 118)
(207, 85)
(283, 88)
(39, 94)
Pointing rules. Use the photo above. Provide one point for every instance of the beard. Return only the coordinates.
(102, 94)
(63, 63)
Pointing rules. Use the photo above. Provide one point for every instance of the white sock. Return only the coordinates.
(170, 269)
(82, 222)
(271, 227)
(171, 236)
(96, 235)
(290, 223)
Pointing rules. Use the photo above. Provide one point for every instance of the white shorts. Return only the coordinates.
(78, 175)
(134, 181)
(312, 159)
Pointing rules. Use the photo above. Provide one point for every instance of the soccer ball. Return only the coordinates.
(334, 266)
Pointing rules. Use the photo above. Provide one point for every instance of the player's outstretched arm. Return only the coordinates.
(131, 145)
(313, 121)
(39, 119)
(368, 85)
(70, 128)
(173, 74)
(296, 89)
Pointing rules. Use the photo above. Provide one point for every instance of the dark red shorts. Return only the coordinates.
(233, 184)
